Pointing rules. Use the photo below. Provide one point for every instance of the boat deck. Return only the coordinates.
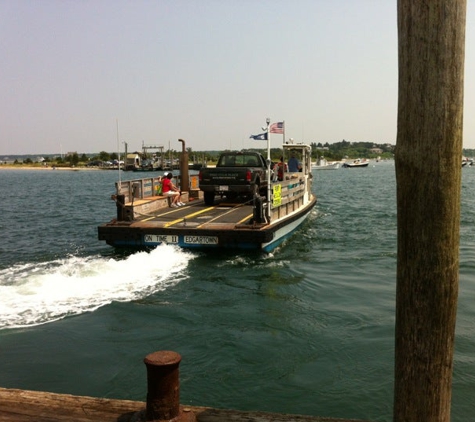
(223, 215)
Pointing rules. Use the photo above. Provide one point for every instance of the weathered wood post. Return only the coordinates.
(428, 172)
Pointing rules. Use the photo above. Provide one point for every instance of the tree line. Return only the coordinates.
(332, 152)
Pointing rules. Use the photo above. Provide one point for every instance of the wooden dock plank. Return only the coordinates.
(28, 406)
(23, 405)
(220, 415)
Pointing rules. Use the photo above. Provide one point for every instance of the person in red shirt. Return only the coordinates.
(281, 168)
(169, 189)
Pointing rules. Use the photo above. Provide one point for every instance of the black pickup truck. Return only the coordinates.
(236, 173)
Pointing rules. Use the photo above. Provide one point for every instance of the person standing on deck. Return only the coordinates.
(169, 189)
(294, 164)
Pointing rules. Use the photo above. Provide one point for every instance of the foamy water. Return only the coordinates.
(35, 294)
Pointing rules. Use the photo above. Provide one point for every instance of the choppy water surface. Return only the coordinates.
(308, 329)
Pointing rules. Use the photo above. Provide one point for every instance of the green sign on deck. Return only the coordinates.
(277, 195)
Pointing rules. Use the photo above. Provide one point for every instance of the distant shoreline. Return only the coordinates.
(44, 168)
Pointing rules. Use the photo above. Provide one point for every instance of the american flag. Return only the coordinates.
(277, 127)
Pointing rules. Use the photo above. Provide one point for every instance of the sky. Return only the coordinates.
(89, 75)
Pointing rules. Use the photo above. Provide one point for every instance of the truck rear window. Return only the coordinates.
(241, 160)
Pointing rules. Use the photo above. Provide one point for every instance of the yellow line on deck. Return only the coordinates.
(178, 220)
(154, 216)
(244, 219)
(222, 215)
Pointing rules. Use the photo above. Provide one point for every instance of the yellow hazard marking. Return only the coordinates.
(244, 219)
(222, 215)
(179, 220)
(158, 216)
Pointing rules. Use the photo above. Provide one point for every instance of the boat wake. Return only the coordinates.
(34, 294)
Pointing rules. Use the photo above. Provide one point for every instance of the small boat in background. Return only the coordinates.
(466, 162)
(323, 164)
(357, 163)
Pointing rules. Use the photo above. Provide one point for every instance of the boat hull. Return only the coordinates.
(352, 166)
(230, 235)
(335, 166)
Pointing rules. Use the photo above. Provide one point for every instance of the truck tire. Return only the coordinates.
(209, 198)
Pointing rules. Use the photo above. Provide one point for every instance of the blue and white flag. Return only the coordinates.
(261, 137)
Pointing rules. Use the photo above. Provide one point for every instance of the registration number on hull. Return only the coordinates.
(160, 238)
(187, 239)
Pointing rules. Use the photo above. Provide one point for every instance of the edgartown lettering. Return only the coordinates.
(201, 240)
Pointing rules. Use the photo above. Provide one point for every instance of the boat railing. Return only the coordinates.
(287, 196)
(147, 187)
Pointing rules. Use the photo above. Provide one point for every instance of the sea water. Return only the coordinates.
(308, 329)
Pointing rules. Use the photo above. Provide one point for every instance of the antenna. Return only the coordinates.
(118, 149)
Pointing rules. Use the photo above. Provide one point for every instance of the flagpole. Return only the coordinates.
(283, 142)
(268, 170)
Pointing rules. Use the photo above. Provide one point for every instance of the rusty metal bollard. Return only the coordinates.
(120, 204)
(163, 388)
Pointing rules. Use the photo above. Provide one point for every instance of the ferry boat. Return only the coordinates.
(145, 219)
